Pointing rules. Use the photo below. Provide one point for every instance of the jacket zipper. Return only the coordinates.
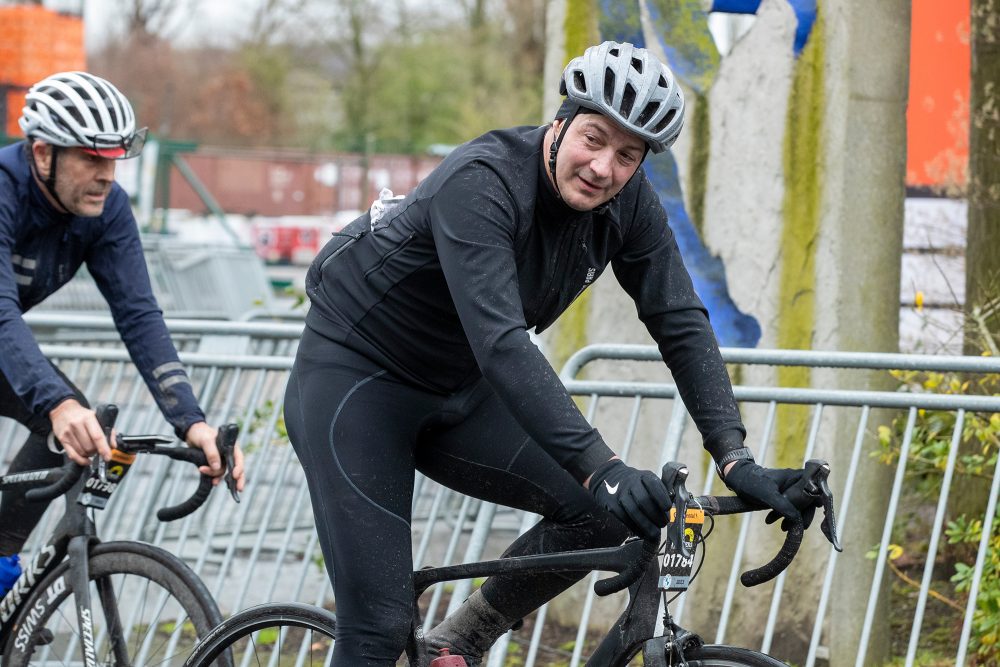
(550, 293)
(389, 255)
(354, 238)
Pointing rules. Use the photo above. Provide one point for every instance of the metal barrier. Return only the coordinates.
(276, 338)
(179, 272)
(265, 548)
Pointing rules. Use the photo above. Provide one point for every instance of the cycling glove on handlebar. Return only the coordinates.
(764, 486)
(636, 497)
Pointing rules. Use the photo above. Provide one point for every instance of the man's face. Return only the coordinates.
(596, 159)
(83, 180)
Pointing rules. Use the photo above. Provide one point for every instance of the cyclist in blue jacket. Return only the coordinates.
(60, 208)
(416, 355)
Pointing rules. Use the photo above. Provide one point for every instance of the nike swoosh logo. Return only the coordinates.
(611, 489)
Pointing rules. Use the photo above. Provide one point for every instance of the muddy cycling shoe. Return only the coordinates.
(470, 631)
(469, 661)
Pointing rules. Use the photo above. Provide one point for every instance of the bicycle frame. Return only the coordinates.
(625, 638)
(73, 536)
(76, 534)
(636, 564)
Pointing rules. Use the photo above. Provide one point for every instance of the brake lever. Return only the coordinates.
(673, 477)
(829, 525)
(813, 489)
(226, 443)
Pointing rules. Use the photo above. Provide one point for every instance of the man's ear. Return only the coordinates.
(42, 153)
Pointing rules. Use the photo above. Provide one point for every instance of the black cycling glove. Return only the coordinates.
(764, 486)
(636, 497)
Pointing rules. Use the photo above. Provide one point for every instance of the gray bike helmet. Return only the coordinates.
(80, 109)
(630, 86)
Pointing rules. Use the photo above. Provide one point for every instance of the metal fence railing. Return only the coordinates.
(830, 609)
(853, 576)
(178, 274)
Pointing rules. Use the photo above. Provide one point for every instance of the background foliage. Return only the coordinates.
(975, 465)
(354, 75)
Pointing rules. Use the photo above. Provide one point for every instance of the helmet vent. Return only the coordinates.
(637, 65)
(609, 86)
(70, 108)
(663, 82)
(628, 99)
(665, 121)
(580, 81)
(648, 113)
(613, 51)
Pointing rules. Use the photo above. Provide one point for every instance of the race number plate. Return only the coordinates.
(104, 478)
(675, 570)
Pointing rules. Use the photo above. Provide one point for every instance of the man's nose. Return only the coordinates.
(601, 164)
(106, 170)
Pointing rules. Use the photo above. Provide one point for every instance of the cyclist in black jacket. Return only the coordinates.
(60, 207)
(416, 355)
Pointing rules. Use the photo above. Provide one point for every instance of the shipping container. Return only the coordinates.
(278, 182)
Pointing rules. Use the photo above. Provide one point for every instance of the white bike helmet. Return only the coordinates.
(80, 109)
(630, 86)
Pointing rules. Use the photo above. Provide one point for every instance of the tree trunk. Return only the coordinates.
(982, 268)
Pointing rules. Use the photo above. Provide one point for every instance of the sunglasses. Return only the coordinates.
(117, 147)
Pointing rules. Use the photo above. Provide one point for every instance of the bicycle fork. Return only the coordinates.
(79, 574)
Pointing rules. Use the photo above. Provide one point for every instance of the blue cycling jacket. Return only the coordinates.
(41, 249)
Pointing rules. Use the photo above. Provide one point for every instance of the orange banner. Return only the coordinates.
(938, 112)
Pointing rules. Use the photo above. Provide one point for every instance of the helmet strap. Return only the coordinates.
(554, 148)
(50, 180)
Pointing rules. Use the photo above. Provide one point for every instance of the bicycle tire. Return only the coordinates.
(161, 604)
(717, 655)
(240, 635)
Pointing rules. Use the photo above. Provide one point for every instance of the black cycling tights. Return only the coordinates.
(18, 517)
(359, 433)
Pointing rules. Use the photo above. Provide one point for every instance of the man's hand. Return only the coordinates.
(637, 497)
(202, 436)
(764, 486)
(78, 431)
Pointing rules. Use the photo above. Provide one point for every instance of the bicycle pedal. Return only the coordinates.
(43, 637)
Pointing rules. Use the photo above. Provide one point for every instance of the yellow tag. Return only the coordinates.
(694, 515)
(119, 456)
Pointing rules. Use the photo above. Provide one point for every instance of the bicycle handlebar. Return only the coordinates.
(200, 495)
(811, 490)
(721, 505)
(68, 475)
(71, 471)
(63, 480)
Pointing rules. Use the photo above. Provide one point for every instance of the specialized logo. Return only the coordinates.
(23, 477)
(611, 489)
(90, 655)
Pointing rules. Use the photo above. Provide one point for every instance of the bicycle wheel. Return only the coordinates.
(285, 633)
(147, 608)
(728, 656)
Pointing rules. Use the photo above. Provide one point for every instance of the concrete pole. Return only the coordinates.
(858, 257)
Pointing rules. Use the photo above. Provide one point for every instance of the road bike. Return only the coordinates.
(300, 634)
(150, 606)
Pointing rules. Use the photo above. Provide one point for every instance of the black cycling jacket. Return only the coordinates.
(444, 290)
(41, 249)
